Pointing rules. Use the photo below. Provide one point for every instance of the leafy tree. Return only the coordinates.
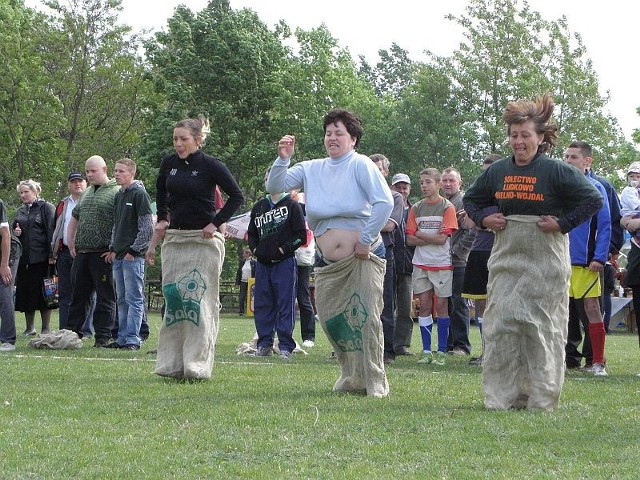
(98, 78)
(391, 74)
(321, 76)
(29, 113)
(511, 53)
(226, 65)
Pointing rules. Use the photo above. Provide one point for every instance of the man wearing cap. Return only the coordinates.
(389, 288)
(403, 254)
(76, 185)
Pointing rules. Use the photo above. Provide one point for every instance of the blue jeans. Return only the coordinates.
(7, 312)
(128, 277)
(63, 267)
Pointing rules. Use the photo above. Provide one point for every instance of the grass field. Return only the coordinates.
(95, 413)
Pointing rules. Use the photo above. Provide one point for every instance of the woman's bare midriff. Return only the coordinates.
(336, 244)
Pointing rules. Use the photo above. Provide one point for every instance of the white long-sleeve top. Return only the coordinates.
(348, 193)
(629, 201)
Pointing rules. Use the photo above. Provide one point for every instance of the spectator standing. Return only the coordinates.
(461, 241)
(89, 237)
(589, 246)
(305, 258)
(617, 236)
(431, 223)
(33, 225)
(630, 195)
(76, 185)
(403, 255)
(476, 274)
(276, 230)
(389, 288)
(246, 270)
(132, 230)
(10, 251)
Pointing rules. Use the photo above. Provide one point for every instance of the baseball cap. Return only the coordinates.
(634, 168)
(400, 177)
(75, 176)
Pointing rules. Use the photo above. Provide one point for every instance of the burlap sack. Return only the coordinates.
(525, 323)
(190, 283)
(349, 303)
(60, 340)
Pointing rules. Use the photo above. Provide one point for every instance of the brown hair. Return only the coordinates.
(433, 173)
(198, 127)
(584, 147)
(539, 111)
(350, 120)
(130, 164)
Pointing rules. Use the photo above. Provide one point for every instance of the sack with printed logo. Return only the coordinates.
(349, 304)
(190, 284)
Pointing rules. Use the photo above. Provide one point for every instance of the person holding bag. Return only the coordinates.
(33, 225)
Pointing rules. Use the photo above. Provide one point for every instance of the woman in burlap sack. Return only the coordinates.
(192, 251)
(539, 200)
(347, 204)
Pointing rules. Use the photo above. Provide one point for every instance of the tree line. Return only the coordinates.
(77, 82)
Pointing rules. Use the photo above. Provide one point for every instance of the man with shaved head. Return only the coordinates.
(89, 238)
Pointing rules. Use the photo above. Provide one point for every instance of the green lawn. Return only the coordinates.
(103, 414)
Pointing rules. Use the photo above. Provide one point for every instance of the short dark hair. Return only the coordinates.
(380, 158)
(494, 157)
(584, 147)
(433, 173)
(350, 120)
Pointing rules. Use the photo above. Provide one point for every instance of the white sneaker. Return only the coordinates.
(308, 343)
(7, 347)
(599, 370)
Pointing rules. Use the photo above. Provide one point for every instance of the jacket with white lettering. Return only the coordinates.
(276, 230)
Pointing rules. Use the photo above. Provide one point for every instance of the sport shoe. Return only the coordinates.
(404, 351)
(476, 362)
(29, 333)
(459, 352)
(599, 370)
(264, 352)
(130, 346)
(308, 344)
(586, 369)
(7, 347)
(113, 345)
(439, 358)
(426, 358)
(388, 359)
(284, 355)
